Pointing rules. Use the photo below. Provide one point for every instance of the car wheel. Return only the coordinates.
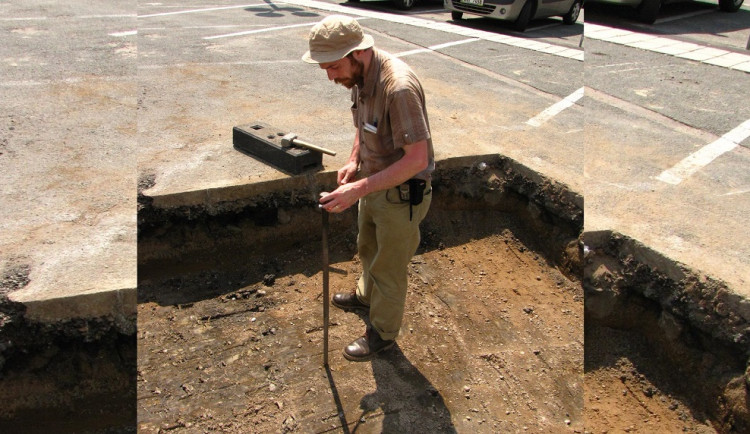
(648, 10)
(572, 16)
(404, 4)
(524, 17)
(456, 16)
(730, 5)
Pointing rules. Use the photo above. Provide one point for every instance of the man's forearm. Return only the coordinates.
(354, 156)
(413, 162)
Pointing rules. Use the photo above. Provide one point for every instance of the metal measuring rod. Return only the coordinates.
(325, 285)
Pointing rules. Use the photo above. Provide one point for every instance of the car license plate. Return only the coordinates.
(474, 2)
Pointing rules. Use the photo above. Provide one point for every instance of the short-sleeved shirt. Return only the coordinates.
(389, 112)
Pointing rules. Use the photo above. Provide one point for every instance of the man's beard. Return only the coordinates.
(357, 78)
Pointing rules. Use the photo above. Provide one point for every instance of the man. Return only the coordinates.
(388, 172)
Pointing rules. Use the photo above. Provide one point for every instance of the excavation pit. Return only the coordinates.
(230, 317)
(230, 328)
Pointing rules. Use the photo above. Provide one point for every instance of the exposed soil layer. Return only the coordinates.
(69, 377)
(491, 342)
(665, 346)
(273, 217)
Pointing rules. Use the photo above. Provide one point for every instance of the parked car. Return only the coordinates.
(519, 12)
(648, 10)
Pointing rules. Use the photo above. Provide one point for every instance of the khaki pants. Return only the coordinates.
(387, 241)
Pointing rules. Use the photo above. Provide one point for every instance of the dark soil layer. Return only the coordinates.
(69, 377)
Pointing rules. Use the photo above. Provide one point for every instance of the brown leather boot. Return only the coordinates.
(366, 347)
(349, 302)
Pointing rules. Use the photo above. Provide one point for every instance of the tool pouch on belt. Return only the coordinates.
(412, 191)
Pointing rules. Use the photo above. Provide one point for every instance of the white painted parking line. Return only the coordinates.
(672, 47)
(733, 193)
(235, 63)
(84, 17)
(434, 47)
(23, 19)
(569, 53)
(221, 26)
(421, 12)
(122, 34)
(702, 157)
(107, 16)
(68, 80)
(269, 29)
(556, 108)
(195, 11)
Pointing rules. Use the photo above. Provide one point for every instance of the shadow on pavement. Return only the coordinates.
(275, 11)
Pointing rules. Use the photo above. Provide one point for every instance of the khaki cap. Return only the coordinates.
(334, 38)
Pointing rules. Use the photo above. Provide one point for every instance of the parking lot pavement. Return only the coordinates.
(698, 222)
(68, 135)
(667, 156)
(198, 81)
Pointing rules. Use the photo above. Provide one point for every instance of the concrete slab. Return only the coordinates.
(69, 203)
(189, 109)
(698, 222)
(68, 137)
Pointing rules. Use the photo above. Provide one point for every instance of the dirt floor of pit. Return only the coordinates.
(625, 391)
(492, 341)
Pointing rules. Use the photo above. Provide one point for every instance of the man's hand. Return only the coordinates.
(343, 197)
(347, 173)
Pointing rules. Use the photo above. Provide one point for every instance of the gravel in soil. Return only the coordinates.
(492, 341)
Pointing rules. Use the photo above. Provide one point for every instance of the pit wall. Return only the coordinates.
(222, 227)
(66, 376)
(695, 323)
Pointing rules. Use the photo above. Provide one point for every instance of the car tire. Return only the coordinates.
(648, 11)
(404, 4)
(572, 16)
(456, 16)
(524, 17)
(730, 5)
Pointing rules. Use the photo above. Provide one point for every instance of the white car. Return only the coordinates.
(519, 12)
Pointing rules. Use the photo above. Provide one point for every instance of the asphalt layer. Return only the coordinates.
(68, 136)
(670, 86)
(241, 85)
(660, 110)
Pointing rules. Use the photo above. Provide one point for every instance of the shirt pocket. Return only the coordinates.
(373, 138)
